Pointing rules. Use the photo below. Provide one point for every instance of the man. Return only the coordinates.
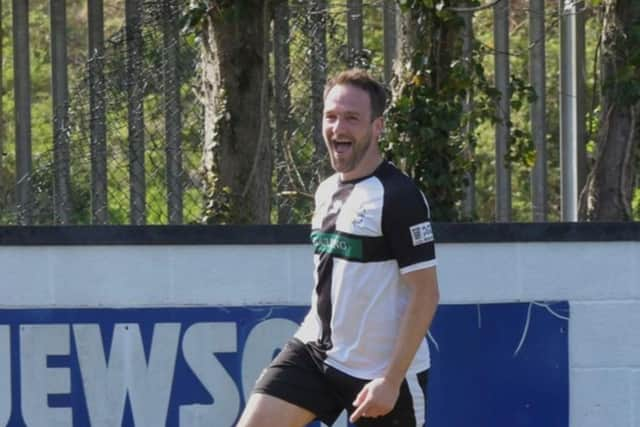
(362, 345)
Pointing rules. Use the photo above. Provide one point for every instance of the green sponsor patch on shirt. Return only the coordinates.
(337, 244)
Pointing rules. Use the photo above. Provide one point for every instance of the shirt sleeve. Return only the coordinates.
(406, 225)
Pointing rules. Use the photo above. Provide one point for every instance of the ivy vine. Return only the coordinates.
(426, 120)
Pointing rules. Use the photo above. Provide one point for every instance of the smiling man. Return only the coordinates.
(362, 345)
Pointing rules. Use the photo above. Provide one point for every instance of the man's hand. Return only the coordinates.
(377, 398)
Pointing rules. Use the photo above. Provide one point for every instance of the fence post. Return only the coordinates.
(172, 111)
(317, 34)
(571, 96)
(390, 41)
(503, 174)
(354, 32)
(22, 93)
(282, 104)
(135, 90)
(537, 67)
(60, 97)
(97, 114)
(469, 201)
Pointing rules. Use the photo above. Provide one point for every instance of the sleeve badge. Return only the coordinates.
(421, 233)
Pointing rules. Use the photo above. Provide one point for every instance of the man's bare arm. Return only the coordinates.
(379, 396)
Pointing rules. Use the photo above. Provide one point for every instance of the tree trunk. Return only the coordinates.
(426, 106)
(237, 154)
(608, 191)
(436, 39)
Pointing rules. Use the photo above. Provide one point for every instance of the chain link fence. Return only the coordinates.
(300, 157)
(160, 181)
(155, 112)
(299, 163)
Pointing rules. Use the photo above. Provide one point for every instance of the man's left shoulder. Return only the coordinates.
(405, 203)
(399, 187)
(395, 180)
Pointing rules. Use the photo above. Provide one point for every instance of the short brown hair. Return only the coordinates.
(362, 80)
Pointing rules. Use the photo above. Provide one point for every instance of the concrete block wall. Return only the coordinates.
(594, 267)
(601, 281)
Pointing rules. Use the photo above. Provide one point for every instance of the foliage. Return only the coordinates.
(521, 150)
(115, 94)
(427, 124)
(624, 84)
(619, 63)
(635, 204)
(427, 110)
(298, 168)
(428, 131)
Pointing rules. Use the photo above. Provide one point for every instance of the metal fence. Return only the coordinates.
(127, 132)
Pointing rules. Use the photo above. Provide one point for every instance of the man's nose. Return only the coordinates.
(338, 125)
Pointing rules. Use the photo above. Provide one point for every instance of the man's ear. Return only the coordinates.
(378, 126)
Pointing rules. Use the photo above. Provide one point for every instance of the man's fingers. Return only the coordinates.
(361, 397)
(359, 412)
(361, 403)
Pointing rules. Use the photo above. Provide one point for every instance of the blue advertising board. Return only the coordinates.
(493, 365)
(500, 365)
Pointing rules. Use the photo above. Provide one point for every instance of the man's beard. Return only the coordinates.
(358, 151)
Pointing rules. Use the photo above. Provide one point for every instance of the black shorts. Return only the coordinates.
(299, 376)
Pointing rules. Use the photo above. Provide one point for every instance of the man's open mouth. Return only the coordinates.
(342, 146)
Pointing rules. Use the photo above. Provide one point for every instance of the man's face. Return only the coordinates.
(349, 133)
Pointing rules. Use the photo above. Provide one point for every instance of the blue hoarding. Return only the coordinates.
(493, 365)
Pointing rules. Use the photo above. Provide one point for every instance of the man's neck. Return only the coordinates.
(361, 172)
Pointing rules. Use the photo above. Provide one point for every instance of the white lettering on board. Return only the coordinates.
(265, 338)
(199, 345)
(107, 383)
(124, 367)
(38, 381)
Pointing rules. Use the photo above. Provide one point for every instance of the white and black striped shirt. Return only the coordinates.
(366, 233)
